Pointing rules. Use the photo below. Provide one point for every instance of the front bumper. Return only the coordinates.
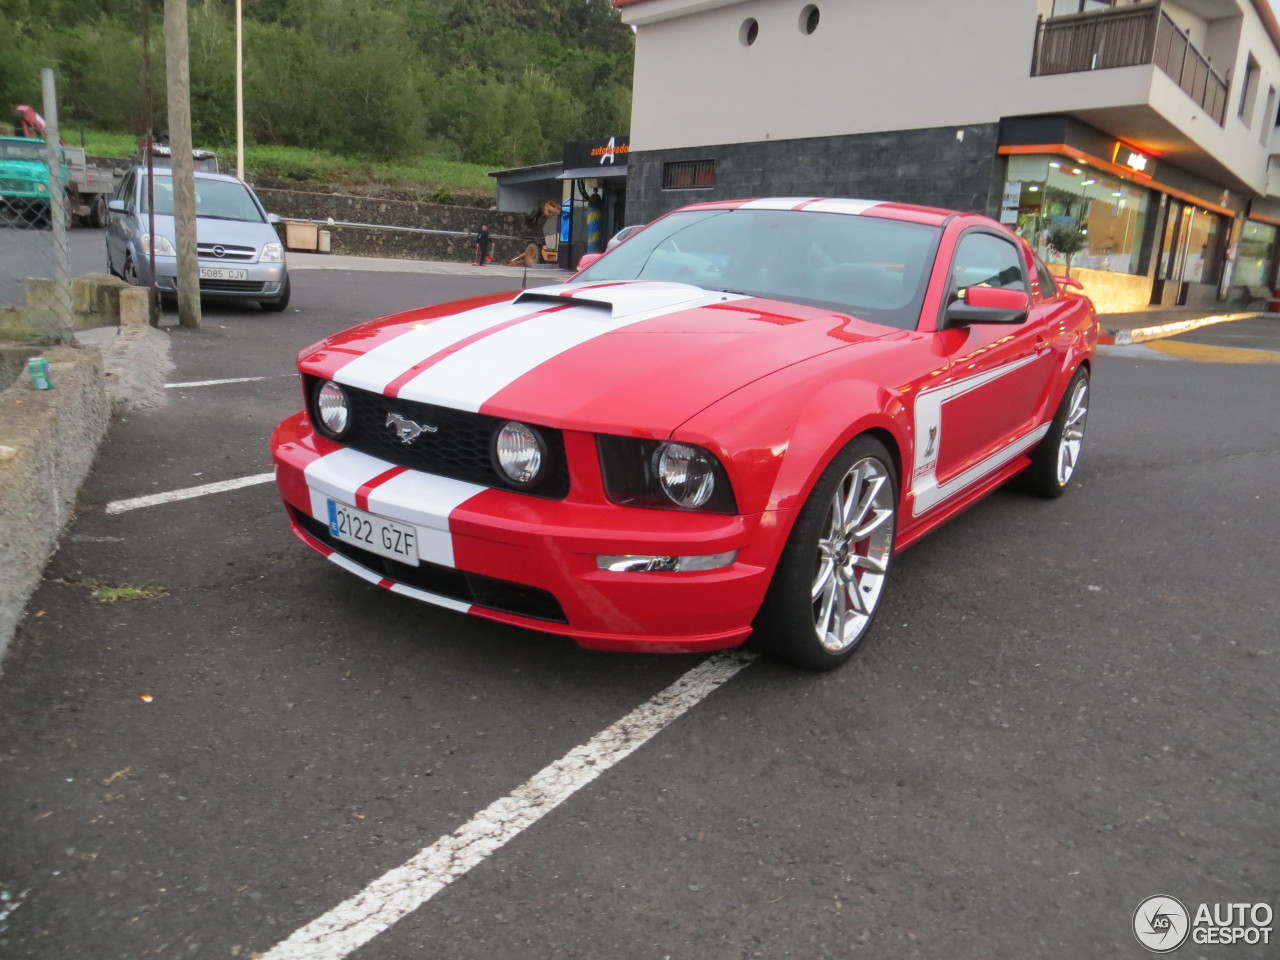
(262, 281)
(532, 562)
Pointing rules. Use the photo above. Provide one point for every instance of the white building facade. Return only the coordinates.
(1147, 126)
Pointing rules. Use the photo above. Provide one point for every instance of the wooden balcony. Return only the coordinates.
(1125, 37)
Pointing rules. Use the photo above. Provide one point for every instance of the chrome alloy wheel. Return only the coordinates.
(1073, 431)
(854, 548)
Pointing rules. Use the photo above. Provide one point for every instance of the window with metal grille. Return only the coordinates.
(688, 174)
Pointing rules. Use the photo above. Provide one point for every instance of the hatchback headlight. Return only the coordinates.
(271, 253)
(333, 408)
(655, 473)
(520, 454)
(163, 247)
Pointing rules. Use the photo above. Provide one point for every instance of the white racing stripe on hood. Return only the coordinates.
(466, 380)
(377, 368)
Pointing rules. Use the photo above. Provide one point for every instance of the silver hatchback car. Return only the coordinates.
(241, 256)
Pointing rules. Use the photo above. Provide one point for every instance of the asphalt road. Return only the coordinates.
(1067, 707)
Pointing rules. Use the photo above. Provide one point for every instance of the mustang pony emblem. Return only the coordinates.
(406, 429)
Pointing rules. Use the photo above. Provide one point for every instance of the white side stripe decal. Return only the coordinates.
(926, 490)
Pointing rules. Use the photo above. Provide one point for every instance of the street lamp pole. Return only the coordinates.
(239, 93)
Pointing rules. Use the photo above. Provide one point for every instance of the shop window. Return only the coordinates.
(1256, 250)
(1190, 251)
(688, 174)
(1043, 192)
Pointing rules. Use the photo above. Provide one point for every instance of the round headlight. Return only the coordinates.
(687, 473)
(520, 454)
(333, 407)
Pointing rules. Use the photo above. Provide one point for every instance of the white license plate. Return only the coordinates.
(223, 273)
(373, 533)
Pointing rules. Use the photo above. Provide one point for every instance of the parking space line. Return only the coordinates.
(400, 891)
(124, 506)
(218, 383)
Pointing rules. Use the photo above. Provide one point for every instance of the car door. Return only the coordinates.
(115, 225)
(999, 374)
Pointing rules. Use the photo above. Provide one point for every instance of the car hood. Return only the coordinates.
(211, 230)
(619, 357)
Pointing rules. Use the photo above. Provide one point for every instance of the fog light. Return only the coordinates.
(661, 564)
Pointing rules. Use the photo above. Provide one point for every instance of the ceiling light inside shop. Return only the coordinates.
(1034, 187)
(1090, 182)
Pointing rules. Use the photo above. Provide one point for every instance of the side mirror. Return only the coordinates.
(117, 206)
(273, 218)
(1069, 283)
(989, 305)
(587, 260)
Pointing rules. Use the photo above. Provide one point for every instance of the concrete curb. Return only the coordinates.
(1131, 335)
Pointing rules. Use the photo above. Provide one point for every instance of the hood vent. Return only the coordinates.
(621, 299)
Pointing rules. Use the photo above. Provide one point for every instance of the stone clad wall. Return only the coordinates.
(403, 229)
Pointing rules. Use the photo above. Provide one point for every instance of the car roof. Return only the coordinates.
(911, 213)
(199, 174)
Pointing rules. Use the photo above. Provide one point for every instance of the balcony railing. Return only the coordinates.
(1126, 37)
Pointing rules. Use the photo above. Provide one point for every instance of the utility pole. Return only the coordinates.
(178, 86)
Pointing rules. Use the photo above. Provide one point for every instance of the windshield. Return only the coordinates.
(215, 199)
(874, 268)
(22, 150)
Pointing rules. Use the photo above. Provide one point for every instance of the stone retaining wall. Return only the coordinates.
(48, 439)
(403, 229)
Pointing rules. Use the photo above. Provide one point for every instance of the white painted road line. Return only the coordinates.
(124, 506)
(399, 892)
(218, 383)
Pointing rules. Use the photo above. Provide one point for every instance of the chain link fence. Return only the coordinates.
(35, 256)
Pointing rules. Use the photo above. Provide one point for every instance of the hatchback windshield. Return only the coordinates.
(215, 199)
(874, 268)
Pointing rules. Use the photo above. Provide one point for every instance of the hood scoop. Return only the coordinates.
(619, 299)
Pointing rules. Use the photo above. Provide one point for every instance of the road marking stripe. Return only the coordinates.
(400, 891)
(211, 383)
(155, 499)
(1206, 353)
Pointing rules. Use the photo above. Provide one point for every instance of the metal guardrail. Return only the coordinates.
(1124, 37)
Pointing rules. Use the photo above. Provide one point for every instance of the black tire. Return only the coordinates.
(276, 306)
(98, 211)
(834, 567)
(1054, 461)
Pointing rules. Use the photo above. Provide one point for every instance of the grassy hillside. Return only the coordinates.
(425, 178)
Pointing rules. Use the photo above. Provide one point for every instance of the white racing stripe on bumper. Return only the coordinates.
(352, 567)
(426, 501)
(418, 498)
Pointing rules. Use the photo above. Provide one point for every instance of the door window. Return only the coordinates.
(985, 260)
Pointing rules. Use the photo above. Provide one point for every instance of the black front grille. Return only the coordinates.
(231, 286)
(459, 448)
(502, 595)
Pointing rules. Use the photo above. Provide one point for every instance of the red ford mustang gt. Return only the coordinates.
(725, 427)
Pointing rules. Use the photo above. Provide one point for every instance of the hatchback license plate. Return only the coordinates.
(371, 532)
(223, 273)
